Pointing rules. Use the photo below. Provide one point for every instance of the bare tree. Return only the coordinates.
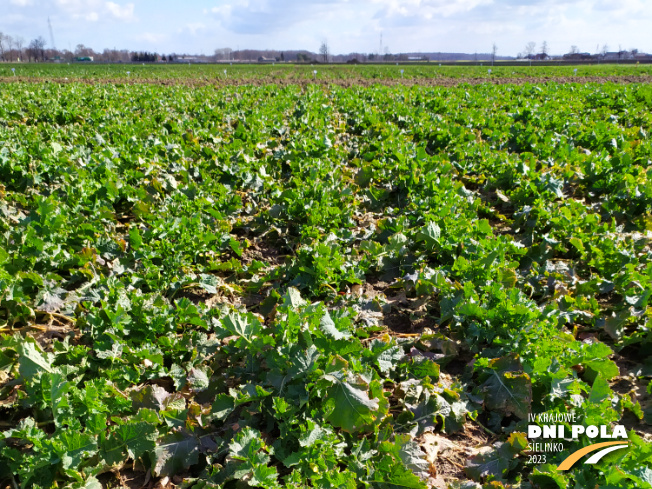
(109, 55)
(529, 49)
(574, 49)
(36, 48)
(83, 51)
(19, 42)
(323, 50)
(544, 48)
(11, 43)
(494, 50)
(605, 49)
(6, 46)
(223, 54)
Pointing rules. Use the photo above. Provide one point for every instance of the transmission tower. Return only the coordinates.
(54, 46)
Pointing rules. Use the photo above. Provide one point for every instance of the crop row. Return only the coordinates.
(280, 72)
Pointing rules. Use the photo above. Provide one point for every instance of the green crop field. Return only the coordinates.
(313, 285)
(293, 73)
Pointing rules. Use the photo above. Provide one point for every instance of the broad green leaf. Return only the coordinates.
(327, 325)
(434, 409)
(352, 407)
(600, 390)
(490, 462)
(293, 298)
(90, 483)
(156, 397)
(264, 476)
(498, 460)
(507, 389)
(51, 297)
(135, 239)
(245, 326)
(209, 283)
(131, 439)
(546, 475)
(507, 277)
(75, 447)
(430, 233)
(246, 444)
(223, 406)
(57, 396)
(387, 355)
(303, 361)
(577, 243)
(31, 360)
(595, 358)
(392, 474)
(198, 379)
(314, 434)
(412, 456)
(422, 367)
(364, 176)
(174, 453)
(248, 448)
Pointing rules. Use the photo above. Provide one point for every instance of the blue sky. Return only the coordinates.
(201, 26)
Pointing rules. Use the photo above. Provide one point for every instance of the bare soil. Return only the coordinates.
(448, 454)
(344, 82)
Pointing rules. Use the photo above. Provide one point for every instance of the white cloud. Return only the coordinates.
(151, 37)
(94, 10)
(192, 28)
(427, 8)
(124, 13)
(254, 17)
(22, 3)
(78, 7)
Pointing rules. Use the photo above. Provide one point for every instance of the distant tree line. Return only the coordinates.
(144, 57)
(10, 47)
(14, 48)
(601, 53)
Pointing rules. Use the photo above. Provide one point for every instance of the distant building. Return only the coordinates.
(263, 59)
(577, 56)
(537, 57)
(618, 55)
(191, 59)
(613, 55)
(84, 59)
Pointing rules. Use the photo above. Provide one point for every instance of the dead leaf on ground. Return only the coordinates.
(448, 454)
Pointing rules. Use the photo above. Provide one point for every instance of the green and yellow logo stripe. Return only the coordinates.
(608, 446)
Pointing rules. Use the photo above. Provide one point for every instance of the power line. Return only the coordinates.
(54, 46)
